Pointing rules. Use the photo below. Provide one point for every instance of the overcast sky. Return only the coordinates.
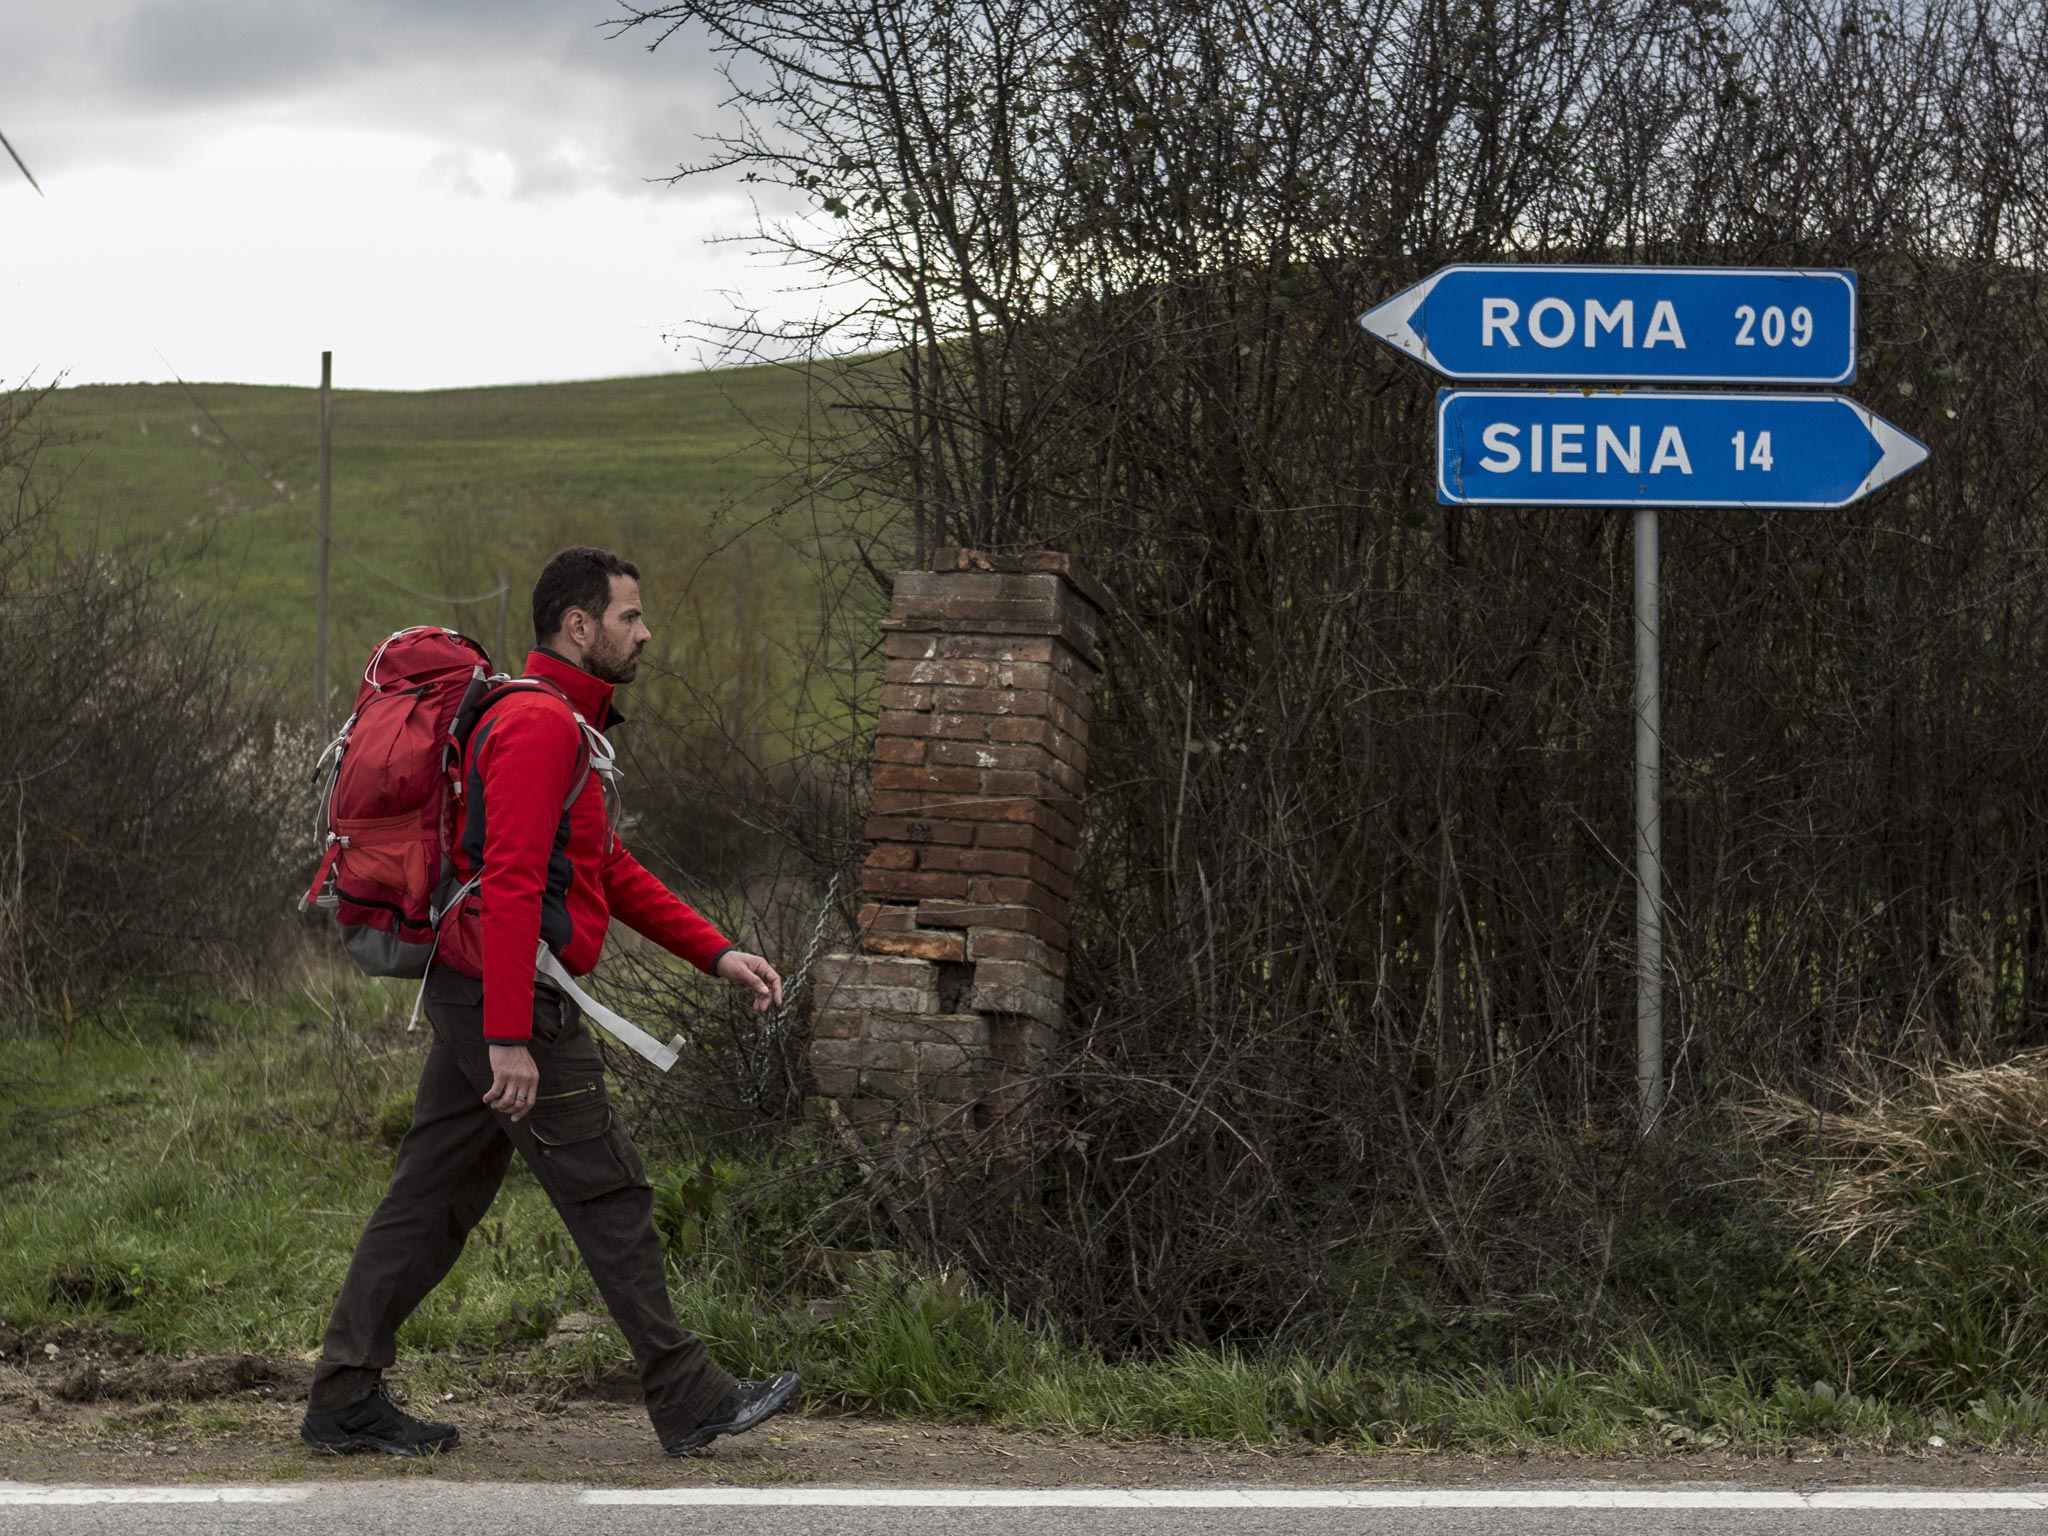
(443, 192)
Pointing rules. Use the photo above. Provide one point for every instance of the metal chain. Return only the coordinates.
(778, 1021)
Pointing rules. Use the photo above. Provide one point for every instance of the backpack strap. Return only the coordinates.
(486, 691)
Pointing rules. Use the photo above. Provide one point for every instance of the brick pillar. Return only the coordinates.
(957, 988)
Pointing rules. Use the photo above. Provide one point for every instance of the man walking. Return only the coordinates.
(512, 1065)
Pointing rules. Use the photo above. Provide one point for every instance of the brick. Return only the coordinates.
(932, 645)
(1022, 1044)
(907, 882)
(899, 749)
(1058, 562)
(994, 701)
(993, 998)
(963, 1031)
(836, 1082)
(835, 1053)
(897, 697)
(997, 834)
(960, 727)
(940, 624)
(977, 611)
(1019, 919)
(876, 918)
(1065, 809)
(1019, 675)
(1065, 718)
(867, 998)
(997, 889)
(835, 1024)
(883, 1056)
(924, 946)
(947, 1080)
(963, 673)
(886, 1083)
(1013, 863)
(919, 589)
(873, 1115)
(914, 829)
(893, 973)
(994, 945)
(1053, 878)
(1057, 824)
(897, 645)
(982, 754)
(1071, 694)
(981, 861)
(1021, 974)
(998, 783)
(1069, 662)
(894, 802)
(1029, 586)
(891, 856)
(898, 722)
(948, 781)
(1064, 745)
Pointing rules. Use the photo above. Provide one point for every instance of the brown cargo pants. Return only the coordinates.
(449, 1167)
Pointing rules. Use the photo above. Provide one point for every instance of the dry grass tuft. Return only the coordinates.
(1866, 1178)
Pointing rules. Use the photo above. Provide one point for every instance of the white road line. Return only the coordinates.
(1331, 1498)
(30, 1493)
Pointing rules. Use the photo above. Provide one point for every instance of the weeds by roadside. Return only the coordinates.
(209, 1198)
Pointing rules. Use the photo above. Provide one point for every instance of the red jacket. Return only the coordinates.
(548, 874)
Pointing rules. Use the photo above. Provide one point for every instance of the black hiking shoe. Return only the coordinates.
(376, 1424)
(746, 1406)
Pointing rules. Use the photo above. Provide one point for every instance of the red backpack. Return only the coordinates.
(392, 808)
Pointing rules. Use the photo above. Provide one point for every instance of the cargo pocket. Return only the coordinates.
(582, 1151)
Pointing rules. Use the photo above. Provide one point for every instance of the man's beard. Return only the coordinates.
(609, 668)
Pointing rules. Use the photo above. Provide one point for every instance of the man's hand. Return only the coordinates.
(745, 970)
(515, 1080)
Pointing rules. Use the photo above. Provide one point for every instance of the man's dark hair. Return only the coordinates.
(576, 578)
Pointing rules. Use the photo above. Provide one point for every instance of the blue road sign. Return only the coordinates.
(1653, 448)
(1627, 325)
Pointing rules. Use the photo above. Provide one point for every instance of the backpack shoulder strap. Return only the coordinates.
(485, 692)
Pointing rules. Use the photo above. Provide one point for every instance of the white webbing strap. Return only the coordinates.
(436, 916)
(625, 1031)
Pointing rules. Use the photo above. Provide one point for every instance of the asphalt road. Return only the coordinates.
(487, 1509)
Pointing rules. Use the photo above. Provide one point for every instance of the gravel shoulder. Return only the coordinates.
(100, 1417)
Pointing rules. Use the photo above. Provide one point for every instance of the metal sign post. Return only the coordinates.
(1649, 830)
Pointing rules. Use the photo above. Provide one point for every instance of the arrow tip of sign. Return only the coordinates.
(1393, 320)
(1897, 453)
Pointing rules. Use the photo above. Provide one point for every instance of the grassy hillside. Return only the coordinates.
(444, 491)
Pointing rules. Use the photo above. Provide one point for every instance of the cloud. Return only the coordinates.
(213, 52)
(452, 171)
(106, 83)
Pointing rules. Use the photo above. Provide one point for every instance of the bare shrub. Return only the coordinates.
(143, 777)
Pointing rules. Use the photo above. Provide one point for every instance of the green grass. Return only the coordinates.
(198, 1178)
(448, 491)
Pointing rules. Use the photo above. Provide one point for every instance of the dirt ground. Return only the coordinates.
(98, 1411)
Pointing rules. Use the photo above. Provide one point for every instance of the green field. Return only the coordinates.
(448, 492)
